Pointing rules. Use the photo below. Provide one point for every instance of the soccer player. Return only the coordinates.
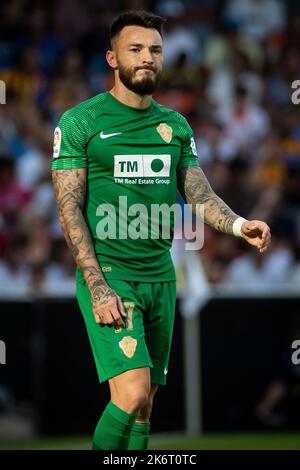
(112, 152)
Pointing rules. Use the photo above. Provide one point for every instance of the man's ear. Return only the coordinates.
(111, 59)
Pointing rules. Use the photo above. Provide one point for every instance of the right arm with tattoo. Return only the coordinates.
(70, 187)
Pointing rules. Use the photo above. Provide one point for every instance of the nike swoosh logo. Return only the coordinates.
(165, 371)
(105, 136)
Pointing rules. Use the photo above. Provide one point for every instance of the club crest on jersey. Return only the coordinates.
(128, 346)
(57, 142)
(165, 132)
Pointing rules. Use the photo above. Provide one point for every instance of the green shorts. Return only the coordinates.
(146, 339)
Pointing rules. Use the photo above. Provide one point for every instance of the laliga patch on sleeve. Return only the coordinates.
(193, 146)
(57, 142)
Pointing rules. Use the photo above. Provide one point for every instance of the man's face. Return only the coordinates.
(138, 58)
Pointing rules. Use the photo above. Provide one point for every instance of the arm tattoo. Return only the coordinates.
(195, 189)
(70, 187)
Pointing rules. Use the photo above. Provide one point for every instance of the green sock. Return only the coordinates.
(113, 430)
(139, 436)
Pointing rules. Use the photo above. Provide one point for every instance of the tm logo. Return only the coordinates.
(2, 352)
(131, 166)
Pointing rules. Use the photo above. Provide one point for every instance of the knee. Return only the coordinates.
(146, 410)
(133, 399)
(138, 398)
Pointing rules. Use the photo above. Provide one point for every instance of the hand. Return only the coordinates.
(257, 233)
(107, 305)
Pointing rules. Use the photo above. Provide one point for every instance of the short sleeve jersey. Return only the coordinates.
(131, 157)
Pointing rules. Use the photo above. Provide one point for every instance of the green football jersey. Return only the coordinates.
(131, 156)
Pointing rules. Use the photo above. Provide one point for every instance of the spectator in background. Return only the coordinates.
(13, 197)
(25, 79)
(42, 36)
(180, 75)
(36, 228)
(12, 29)
(14, 271)
(60, 272)
(262, 274)
(32, 163)
(231, 59)
(280, 74)
(180, 39)
(257, 18)
(245, 124)
(69, 84)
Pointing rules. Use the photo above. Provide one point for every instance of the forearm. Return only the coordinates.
(196, 190)
(218, 215)
(69, 188)
(79, 241)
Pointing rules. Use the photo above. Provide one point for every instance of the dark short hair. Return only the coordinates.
(136, 18)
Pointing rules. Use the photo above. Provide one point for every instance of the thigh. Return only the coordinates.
(116, 350)
(130, 380)
(159, 324)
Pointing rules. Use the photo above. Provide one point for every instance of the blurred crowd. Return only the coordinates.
(229, 68)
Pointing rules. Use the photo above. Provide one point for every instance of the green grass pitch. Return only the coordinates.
(255, 441)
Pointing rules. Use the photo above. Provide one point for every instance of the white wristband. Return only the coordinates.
(237, 226)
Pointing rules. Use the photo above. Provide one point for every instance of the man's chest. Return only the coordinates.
(135, 148)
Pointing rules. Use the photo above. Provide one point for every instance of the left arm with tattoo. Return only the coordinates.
(195, 189)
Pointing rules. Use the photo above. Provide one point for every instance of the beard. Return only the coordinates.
(141, 86)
